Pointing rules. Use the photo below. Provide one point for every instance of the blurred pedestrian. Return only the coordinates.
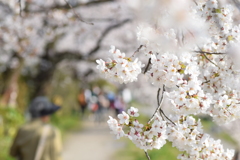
(119, 105)
(103, 104)
(82, 101)
(37, 139)
(111, 99)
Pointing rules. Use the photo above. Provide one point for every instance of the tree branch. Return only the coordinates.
(76, 55)
(137, 50)
(66, 6)
(148, 157)
(166, 116)
(218, 53)
(20, 8)
(78, 15)
(159, 101)
(105, 33)
(210, 60)
(146, 69)
(67, 55)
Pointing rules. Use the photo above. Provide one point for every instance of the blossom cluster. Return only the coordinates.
(166, 69)
(200, 74)
(187, 135)
(147, 137)
(225, 32)
(121, 68)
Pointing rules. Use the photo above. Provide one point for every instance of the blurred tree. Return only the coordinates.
(37, 36)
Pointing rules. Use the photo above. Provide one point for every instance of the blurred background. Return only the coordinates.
(49, 48)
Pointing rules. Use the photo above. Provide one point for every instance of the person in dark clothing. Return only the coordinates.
(37, 139)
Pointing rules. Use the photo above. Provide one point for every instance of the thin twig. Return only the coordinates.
(159, 101)
(137, 50)
(104, 34)
(158, 93)
(183, 38)
(148, 157)
(66, 6)
(166, 116)
(195, 2)
(146, 69)
(78, 16)
(206, 81)
(219, 53)
(210, 60)
(159, 106)
(20, 8)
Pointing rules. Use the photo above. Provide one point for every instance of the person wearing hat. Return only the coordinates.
(37, 139)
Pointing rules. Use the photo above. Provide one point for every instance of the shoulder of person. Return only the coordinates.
(53, 130)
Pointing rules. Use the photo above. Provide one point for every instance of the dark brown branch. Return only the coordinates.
(78, 15)
(195, 2)
(105, 33)
(148, 157)
(166, 116)
(100, 19)
(159, 102)
(68, 55)
(57, 6)
(20, 8)
(76, 55)
(137, 50)
(206, 81)
(210, 60)
(146, 69)
(218, 53)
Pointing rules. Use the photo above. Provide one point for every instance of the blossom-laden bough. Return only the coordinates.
(192, 47)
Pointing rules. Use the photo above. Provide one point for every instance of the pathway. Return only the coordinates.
(93, 142)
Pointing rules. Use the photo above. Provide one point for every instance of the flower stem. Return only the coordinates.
(148, 157)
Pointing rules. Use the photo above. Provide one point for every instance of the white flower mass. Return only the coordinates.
(200, 73)
(121, 68)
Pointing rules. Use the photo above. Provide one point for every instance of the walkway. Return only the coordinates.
(93, 142)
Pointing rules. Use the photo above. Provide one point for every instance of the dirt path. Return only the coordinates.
(93, 142)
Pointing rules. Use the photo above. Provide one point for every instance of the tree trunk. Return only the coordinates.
(10, 92)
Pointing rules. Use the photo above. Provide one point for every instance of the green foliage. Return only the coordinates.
(66, 123)
(63, 92)
(131, 152)
(4, 145)
(211, 128)
(11, 119)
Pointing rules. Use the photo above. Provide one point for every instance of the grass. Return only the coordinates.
(131, 152)
(211, 128)
(66, 123)
(4, 145)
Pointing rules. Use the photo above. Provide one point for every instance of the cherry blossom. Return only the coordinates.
(133, 112)
(192, 47)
